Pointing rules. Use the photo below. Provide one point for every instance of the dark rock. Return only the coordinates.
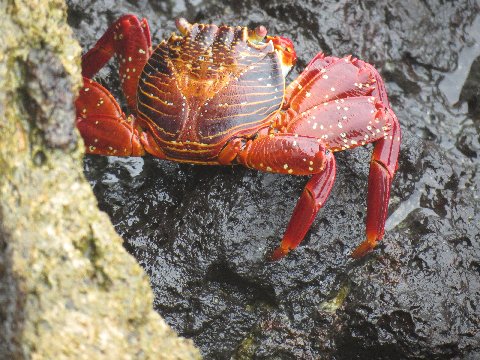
(48, 98)
(202, 233)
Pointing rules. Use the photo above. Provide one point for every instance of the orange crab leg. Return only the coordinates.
(282, 153)
(129, 39)
(382, 170)
(311, 201)
(289, 154)
(103, 125)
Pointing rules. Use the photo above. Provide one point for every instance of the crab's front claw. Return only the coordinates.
(103, 125)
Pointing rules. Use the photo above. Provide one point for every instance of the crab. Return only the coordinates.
(216, 95)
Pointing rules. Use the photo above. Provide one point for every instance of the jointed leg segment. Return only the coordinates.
(342, 103)
(311, 201)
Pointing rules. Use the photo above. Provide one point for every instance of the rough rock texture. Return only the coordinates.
(202, 233)
(68, 290)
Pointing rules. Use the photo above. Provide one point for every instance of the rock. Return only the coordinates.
(202, 233)
(67, 287)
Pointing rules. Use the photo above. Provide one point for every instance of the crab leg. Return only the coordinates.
(289, 154)
(129, 39)
(282, 153)
(382, 170)
(103, 125)
(311, 201)
(343, 103)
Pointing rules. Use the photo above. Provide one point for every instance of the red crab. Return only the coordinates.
(216, 95)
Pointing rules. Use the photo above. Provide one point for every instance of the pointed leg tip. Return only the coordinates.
(363, 249)
(278, 254)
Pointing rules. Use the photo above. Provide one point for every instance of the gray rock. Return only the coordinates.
(68, 289)
(202, 233)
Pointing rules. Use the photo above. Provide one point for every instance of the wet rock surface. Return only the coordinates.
(202, 233)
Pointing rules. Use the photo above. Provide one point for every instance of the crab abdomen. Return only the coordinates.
(198, 91)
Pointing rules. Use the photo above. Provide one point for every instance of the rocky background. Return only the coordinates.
(202, 233)
(68, 289)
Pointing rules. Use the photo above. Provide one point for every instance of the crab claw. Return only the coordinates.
(286, 51)
(183, 26)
